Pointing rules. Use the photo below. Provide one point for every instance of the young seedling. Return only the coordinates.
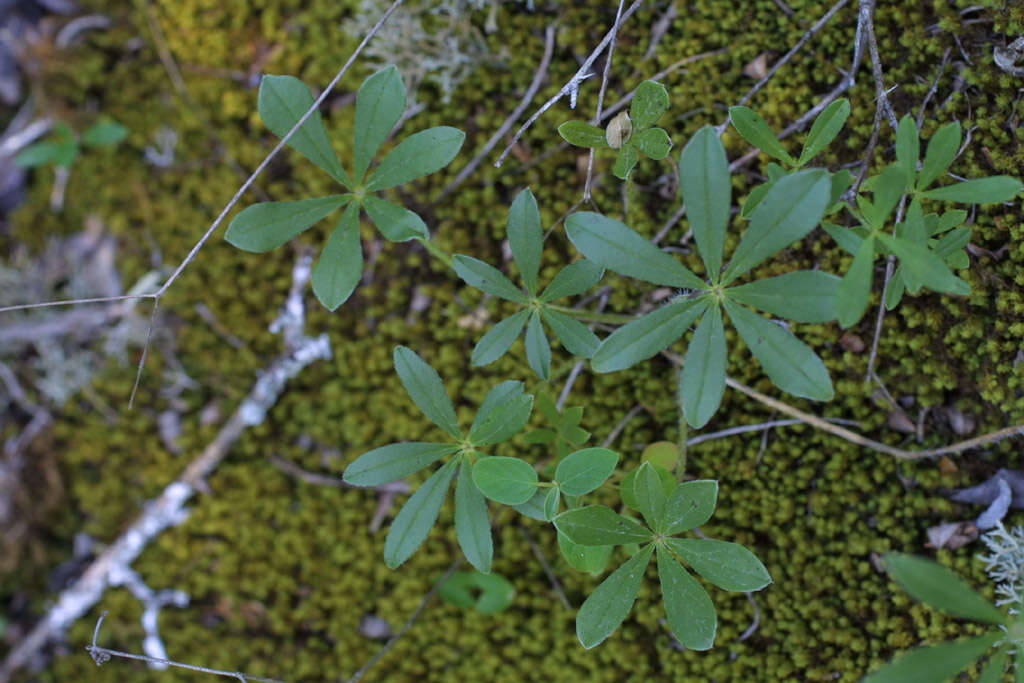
(380, 103)
(631, 134)
(63, 146)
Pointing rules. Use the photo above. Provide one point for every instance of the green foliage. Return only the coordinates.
(62, 146)
(691, 615)
(486, 593)
(380, 103)
(631, 134)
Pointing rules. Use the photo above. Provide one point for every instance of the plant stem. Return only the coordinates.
(615, 318)
(438, 253)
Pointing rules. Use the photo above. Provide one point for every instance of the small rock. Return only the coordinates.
(899, 421)
(757, 68)
(952, 535)
(373, 626)
(960, 423)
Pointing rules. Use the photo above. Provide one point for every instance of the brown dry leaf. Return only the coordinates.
(519, 151)
(947, 466)
(952, 535)
(474, 321)
(852, 343)
(959, 422)
(757, 68)
(899, 421)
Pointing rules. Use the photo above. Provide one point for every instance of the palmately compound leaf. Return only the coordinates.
(791, 209)
(707, 193)
(942, 149)
(394, 461)
(582, 471)
(426, 390)
(486, 278)
(418, 155)
(787, 361)
(625, 161)
(690, 504)
(499, 339)
(996, 667)
(925, 266)
(824, 130)
(585, 558)
(574, 279)
(653, 143)
(940, 588)
(526, 237)
(574, 335)
(396, 223)
(729, 566)
(650, 102)
(538, 350)
(804, 296)
(613, 245)
(380, 103)
(472, 524)
(691, 614)
(610, 603)
(340, 266)
(493, 409)
(934, 662)
(1000, 188)
(509, 481)
(268, 225)
(582, 134)
(282, 102)
(702, 381)
(504, 418)
(855, 288)
(757, 132)
(642, 338)
(600, 525)
(414, 521)
(626, 489)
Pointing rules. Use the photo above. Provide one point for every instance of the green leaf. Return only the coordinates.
(38, 154)
(663, 454)
(574, 335)
(582, 134)
(526, 237)
(396, 223)
(1000, 188)
(824, 130)
(707, 193)
(583, 471)
(691, 614)
(496, 592)
(625, 161)
(510, 481)
(502, 419)
(613, 245)
(426, 390)
(952, 241)
(534, 507)
(787, 361)
(887, 189)
(996, 667)
(804, 296)
(650, 102)
(340, 266)
(646, 336)
(653, 143)
(756, 131)
(940, 588)
(585, 558)
(104, 134)
(649, 496)
(702, 381)
(949, 220)
(841, 180)
(394, 461)
(729, 566)
(925, 266)
(855, 288)
(380, 103)
(934, 663)
(418, 155)
(413, 523)
(487, 278)
(907, 150)
(551, 502)
(846, 238)
(626, 490)
(754, 198)
(498, 339)
(282, 102)
(789, 211)
(610, 603)
(690, 504)
(538, 351)
(942, 149)
(574, 279)
(895, 289)
(600, 525)
(262, 227)
(472, 523)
